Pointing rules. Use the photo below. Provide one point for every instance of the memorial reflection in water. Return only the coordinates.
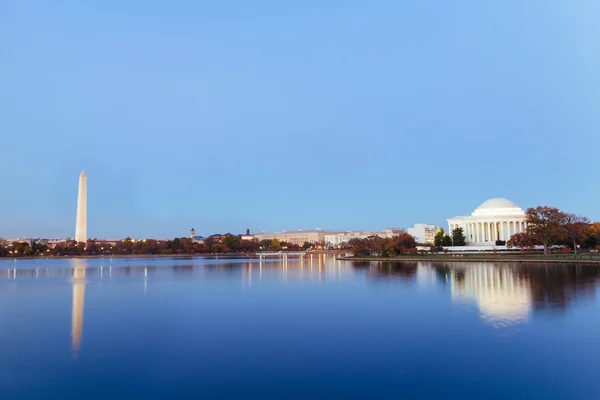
(504, 293)
(501, 294)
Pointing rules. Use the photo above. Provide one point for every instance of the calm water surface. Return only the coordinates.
(298, 328)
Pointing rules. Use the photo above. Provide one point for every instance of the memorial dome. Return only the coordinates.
(497, 202)
(494, 220)
(498, 206)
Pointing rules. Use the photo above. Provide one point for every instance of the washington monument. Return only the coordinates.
(81, 227)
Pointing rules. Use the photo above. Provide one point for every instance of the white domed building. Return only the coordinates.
(495, 219)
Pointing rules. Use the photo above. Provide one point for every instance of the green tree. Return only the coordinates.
(438, 240)
(264, 244)
(447, 241)
(307, 245)
(274, 245)
(231, 241)
(458, 237)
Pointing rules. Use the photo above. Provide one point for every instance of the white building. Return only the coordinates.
(495, 219)
(424, 233)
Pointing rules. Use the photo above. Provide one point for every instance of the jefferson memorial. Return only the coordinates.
(495, 219)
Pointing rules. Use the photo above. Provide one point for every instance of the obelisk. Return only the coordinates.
(81, 227)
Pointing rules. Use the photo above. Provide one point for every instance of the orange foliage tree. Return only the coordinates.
(546, 225)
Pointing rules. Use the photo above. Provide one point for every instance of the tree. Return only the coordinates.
(231, 241)
(575, 227)
(438, 240)
(360, 249)
(248, 246)
(307, 245)
(522, 240)
(274, 245)
(458, 237)
(592, 235)
(447, 240)
(546, 225)
(398, 244)
(264, 244)
(375, 243)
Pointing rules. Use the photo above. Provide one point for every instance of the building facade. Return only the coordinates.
(423, 233)
(495, 219)
(298, 237)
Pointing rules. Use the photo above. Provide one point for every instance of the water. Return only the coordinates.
(311, 328)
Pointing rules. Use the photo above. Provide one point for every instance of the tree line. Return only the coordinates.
(546, 226)
(401, 244)
(549, 226)
(226, 244)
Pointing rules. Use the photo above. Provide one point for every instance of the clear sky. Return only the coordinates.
(270, 115)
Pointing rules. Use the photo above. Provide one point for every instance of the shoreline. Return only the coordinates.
(500, 259)
(224, 255)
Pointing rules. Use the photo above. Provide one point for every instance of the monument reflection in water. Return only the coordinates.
(78, 281)
(501, 294)
(326, 328)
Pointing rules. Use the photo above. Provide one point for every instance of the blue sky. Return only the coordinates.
(277, 115)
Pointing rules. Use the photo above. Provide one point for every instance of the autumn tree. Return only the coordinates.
(592, 235)
(398, 245)
(575, 227)
(375, 243)
(123, 247)
(360, 249)
(546, 225)
(522, 240)
(91, 247)
(458, 237)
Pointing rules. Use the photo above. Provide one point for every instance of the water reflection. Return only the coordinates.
(502, 295)
(78, 281)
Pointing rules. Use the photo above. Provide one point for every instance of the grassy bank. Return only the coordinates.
(557, 258)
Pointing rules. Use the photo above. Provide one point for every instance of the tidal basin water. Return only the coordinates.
(298, 328)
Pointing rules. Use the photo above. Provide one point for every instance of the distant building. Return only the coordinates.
(335, 239)
(48, 242)
(195, 238)
(298, 237)
(216, 238)
(389, 232)
(52, 242)
(424, 233)
(247, 236)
